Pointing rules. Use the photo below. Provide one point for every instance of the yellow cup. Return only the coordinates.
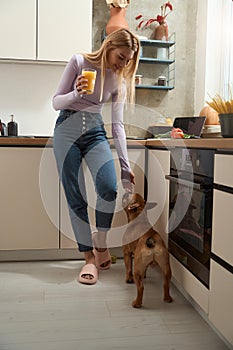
(90, 75)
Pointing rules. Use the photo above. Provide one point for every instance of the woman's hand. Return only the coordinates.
(128, 185)
(81, 85)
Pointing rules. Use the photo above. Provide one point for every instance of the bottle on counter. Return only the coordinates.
(12, 127)
(3, 129)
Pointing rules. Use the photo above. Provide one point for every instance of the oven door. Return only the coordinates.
(190, 223)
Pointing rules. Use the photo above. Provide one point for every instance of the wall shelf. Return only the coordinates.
(157, 53)
(154, 87)
(150, 56)
(156, 60)
(157, 43)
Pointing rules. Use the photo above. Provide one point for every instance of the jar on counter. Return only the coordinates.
(138, 79)
(162, 80)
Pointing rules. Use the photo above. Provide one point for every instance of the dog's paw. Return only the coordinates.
(136, 304)
(130, 281)
(168, 299)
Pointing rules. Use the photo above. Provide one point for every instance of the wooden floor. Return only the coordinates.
(43, 307)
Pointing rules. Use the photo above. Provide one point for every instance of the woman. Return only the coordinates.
(79, 134)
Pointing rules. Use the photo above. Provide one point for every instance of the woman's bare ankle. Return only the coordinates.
(89, 257)
(100, 239)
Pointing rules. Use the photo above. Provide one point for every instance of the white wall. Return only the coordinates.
(26, 91)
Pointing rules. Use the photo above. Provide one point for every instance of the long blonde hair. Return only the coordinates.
(116, 39)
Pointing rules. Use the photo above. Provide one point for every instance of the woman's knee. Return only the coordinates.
(108, 191)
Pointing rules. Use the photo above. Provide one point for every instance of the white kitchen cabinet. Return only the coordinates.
(222, 207)
(45, 30)
(29, 199)
(220, 300)
(64, 28)
(221, 268)
(18, 29)
(189, 284)
(222, 232)
(158, 189)
(137, 161)
(223, 169)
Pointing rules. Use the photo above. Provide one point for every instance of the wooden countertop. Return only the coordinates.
(26, 141)
(215, 143)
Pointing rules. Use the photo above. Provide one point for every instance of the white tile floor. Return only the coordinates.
(42, 307)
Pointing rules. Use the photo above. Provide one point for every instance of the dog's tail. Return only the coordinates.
(150, 242)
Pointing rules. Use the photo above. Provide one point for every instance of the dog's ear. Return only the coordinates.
(150, 205)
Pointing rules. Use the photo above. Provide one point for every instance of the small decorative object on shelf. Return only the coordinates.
(161, 30)
(138, 79)
(117, 18)
(162, 80)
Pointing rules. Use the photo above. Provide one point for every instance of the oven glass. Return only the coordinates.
(190, 225)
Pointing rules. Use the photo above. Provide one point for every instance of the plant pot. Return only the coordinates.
(226, 123)
(161, 32)
(117, 20)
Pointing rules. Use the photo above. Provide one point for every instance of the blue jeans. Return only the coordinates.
(77, 136)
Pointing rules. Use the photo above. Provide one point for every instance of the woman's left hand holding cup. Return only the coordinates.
(81, 84)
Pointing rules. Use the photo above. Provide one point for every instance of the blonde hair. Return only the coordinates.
(116, 39)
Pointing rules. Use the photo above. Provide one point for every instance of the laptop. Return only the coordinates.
(190, 125)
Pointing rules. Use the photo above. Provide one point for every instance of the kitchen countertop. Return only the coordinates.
(215, 143)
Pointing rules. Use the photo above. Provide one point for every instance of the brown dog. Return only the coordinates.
(143, 244)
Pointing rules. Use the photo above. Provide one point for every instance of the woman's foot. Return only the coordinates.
(102, 256)
(88, 274)
(90, 260)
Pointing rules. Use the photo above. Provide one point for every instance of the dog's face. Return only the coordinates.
(134, 204)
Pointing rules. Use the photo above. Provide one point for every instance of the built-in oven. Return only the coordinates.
(190, 209)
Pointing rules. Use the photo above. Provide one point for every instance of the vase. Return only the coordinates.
(226, 123)
(117, 20)
(161, 32)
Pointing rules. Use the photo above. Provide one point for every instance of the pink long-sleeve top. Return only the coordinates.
(67, 97)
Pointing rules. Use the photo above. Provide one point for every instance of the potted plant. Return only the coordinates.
(161, 30)
(224, 108)
(117, 18)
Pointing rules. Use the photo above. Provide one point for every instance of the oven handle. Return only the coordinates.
(183, 182)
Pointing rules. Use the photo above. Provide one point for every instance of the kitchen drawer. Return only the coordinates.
(222, 233)
(185, 280)
(223, 170)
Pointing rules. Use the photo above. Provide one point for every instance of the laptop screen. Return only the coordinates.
(190, 125)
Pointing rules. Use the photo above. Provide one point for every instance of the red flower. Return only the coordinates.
(160, 18)
(140, 24)
(168, 4)
(138, 16)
